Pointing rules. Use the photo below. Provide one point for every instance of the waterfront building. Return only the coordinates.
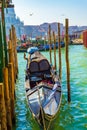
(11, 19)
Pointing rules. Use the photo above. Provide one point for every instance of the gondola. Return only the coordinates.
(43, 88)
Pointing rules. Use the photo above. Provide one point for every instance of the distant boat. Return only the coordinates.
(47, 46)
(23, 47)
(43, 88)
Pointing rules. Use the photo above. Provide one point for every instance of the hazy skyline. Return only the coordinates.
(36, 12)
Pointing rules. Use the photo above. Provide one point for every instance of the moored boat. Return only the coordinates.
(43, 88)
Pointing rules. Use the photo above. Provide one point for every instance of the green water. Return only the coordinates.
(72, 116)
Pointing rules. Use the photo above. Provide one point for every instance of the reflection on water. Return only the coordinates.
(72, 116)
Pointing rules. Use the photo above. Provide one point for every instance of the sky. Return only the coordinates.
(36, 12)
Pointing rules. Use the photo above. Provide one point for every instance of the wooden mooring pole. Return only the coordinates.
(50, 49)
(7, 99)
(54, 40)
(1, 54)
(67, 59)
(7, 80)
(4, 33)
(12, 90)
(10, 52)
(14, 51)
(59, 52)
(2, 108)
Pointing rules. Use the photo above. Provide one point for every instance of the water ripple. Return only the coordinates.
(72, 116)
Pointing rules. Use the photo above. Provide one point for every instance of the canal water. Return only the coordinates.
(72, 116)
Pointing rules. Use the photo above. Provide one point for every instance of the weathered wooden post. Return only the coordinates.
(54, 40)
(50, 49)
(0, 123)
(1, 54)
(2, 108)
(4, 33)
(7, 99)
(59, 50)
(13, 39)
(44, 40)
(67, 59)
(15, 51)
(10, 50)
(12, 90)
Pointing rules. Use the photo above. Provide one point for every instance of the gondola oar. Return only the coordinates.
(42, 114)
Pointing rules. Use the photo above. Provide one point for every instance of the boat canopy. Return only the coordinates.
(42, 65)
(31, 50)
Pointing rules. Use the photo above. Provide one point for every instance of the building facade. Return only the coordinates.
(11, 19)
